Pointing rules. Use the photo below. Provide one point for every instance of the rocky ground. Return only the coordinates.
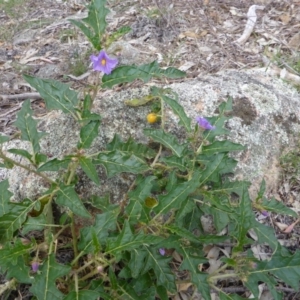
(198, 36)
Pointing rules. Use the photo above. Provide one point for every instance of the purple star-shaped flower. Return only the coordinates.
(162, 251)
(103, 63)
(34, 266)
(202, 122)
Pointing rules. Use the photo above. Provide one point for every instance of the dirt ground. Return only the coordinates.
(197, 36)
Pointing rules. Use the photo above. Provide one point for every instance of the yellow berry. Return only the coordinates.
(152, 118)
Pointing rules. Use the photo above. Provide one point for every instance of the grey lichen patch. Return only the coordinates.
(267, 102)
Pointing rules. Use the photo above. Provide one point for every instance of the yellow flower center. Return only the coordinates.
(103, 62)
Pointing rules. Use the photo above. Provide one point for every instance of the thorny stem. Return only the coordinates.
(162, 126)
(74, 237)
(76, 282)
(221, 276)
(73, 167)
(3, 156)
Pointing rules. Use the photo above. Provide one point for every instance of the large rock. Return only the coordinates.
(266, 118)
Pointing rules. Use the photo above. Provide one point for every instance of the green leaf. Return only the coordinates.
(95, 23)
(185, 208)
(88, 133)
(37, 223)
(44, 285)
(190, 263)
(179, 111)
(282, 265)
(118, 162)
(245, 219)
(10, 253)
(128, 241)
(28, 126)
(67, 196)
(221, 146)
(160, 265)
(82, 295)
(89, 169)
(5, 196)
(21, 152)
(13, 220)
(131, 147)
(20, 271)
(3, 138)
(265, 234)
(102, 203)
(176, 196)
(275, 206)
(104, 223)
(137, 262)
(55, 165)
(175, 162)
(144, 72)
(166, 139)
(136, 209)
(186, 234)
(56, 94)
(162, 292)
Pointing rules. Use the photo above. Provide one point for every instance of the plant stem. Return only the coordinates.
(3, 156)
(222, 276)
(74, 237)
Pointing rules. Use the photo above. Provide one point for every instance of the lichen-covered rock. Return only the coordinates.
(265, 118)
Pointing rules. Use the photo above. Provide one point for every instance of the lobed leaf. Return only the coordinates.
(160, 265)
(275, 206)
(221, 146)
(95, 22)
(67, 196)
(131, 147)
(28, 127)
(283, 265)
(166, 139)
(126, 240)
(88, 133)
(89, 169)
(144, 72)
(13, 220)
(136, 209)
(44, 285)
(199, 279)
(55, 165)
(176, 196)
(37, 223)
(118, 162)
(57, 95)
(104, 223)
(5, 195)
(179, 111)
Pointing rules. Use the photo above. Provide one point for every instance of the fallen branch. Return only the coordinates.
(20, 96)
(272, 69)
(251, 15)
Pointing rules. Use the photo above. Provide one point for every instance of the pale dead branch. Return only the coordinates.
(252, 17)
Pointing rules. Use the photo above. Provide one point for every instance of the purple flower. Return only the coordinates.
(265, 213)
(202, 122)
(103, 63)
(162, 251)
(35, 266)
